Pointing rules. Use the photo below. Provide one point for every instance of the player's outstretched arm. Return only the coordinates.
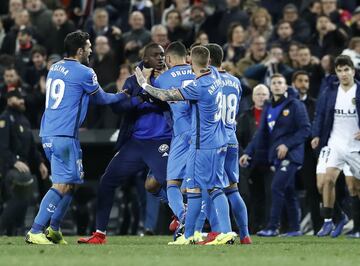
(101, 97)
(164, 95)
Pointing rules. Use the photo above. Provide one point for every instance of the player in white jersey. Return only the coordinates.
(337, 125)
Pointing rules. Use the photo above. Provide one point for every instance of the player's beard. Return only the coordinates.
(85, 60)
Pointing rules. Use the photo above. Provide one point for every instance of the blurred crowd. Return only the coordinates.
(259, 38)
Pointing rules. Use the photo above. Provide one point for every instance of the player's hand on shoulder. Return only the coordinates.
(22, 167)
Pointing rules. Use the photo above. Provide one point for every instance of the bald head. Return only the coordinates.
(260, 94)
(136, 20)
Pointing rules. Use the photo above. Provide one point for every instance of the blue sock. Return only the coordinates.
(60, 211)
(239, 210)
(201, 218)
(176, 201)
(193, 211)
(211, 213)
(47, 208)
(161, 195)
(222, 209)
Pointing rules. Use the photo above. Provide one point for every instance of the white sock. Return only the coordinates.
(328, 220)
(101, 232)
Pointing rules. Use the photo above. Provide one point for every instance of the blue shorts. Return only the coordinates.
(65, 156)
(231, 165)
(179, 147)
(205, 168)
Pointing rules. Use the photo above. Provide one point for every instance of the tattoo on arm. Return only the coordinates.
(164, 95)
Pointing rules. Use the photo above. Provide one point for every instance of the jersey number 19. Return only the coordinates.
(55, 90)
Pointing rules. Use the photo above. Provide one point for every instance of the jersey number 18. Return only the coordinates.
(226, 108)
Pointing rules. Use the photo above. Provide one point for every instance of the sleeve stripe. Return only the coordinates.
(95, 91)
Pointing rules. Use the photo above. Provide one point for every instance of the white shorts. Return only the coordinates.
(330, 157)
(353, 159)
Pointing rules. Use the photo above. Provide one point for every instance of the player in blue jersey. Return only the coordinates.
(143, 142)
(179, 75)
(69, 87)
(205, 164)
(231, 99)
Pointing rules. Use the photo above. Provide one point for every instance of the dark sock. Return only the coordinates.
(327, 212)
(355, 206)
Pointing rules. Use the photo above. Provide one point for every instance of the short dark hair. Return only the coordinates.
(176, 48)
(231, 29)
(38, 49)
(150, 46)
(200, 56)
(216, 54)
(74, 41)
(173, 11)
(299, 73)
(344, 60)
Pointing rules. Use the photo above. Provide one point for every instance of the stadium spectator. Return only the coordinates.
(60, 27)
(197, 18)
(159, 35)
(312, 66)
(260, 24)
(235, 49)
(40, 16)
(8, 20)
(12, 81)
(274, 64)
(38, 67)
(136, 38)
(147, 9)
(355, 23)
(292, 55)
(311, 13)
(300, 26)
(215, 24)
(354, 51)
(182, 6)
(202, 38)
(283, 35)
(328, 38)
(176, 30)
(257, 54)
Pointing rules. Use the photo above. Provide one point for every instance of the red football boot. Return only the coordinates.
(96, 239)
(210, 237)
(246, 240)
(174, 224)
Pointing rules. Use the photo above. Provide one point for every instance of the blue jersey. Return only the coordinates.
(231, 99)
(205, 95)
(178, 77)
(68, 87)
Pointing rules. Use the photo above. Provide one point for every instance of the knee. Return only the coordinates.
(329, 180)
(152, 185)
(64, 188)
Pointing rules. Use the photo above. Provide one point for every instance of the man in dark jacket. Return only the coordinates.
(143, 141)
(19, 158)
(283, 131)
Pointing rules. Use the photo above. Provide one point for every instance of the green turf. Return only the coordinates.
(142, 251)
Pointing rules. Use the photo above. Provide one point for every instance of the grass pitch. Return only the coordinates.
(142, 251)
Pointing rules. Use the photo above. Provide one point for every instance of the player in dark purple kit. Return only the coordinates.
(144, 140)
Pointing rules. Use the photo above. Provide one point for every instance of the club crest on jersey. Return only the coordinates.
(94, 79)
(286, 112)
(164, 148)
(353, 101)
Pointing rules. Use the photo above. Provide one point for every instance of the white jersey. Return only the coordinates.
(345, 121)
